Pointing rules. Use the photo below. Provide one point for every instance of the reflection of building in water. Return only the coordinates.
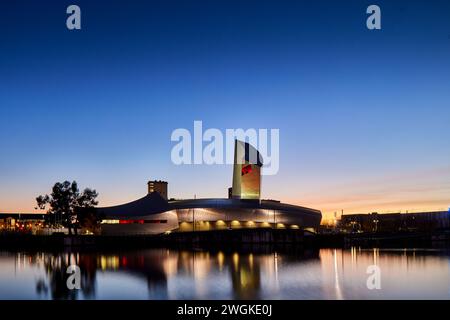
(245, 276)
(244, 271)
(24, 260)
(152, 265)
(345, 273)
(55, 280)
(168, 274)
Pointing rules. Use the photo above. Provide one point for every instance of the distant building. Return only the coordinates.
(392, 222)
(23, 222)
(159, 187)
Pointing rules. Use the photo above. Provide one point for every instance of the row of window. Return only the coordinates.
(132, 221)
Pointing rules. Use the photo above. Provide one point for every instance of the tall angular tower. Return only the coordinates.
(246, 172)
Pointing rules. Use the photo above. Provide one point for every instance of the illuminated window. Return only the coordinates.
(131, 221)
(110, 221)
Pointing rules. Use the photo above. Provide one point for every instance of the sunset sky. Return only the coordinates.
(364, 116)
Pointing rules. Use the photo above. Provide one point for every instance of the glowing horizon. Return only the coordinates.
(383, 195)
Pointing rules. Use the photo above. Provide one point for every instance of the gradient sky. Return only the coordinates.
(364, 116)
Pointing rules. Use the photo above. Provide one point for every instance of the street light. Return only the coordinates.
(376, 224)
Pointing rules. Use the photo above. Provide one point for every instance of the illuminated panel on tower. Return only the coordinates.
(246, 172)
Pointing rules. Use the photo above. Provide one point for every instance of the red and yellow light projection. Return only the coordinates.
(246, 172)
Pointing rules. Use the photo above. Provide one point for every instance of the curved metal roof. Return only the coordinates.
(236, 203)
(153, 204)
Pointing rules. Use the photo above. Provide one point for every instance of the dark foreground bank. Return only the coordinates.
(226, 238)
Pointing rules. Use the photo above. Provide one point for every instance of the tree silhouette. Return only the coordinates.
(64, 202)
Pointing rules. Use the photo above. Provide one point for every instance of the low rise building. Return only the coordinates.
(392, 222)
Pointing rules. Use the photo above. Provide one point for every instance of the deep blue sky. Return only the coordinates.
(363, 115)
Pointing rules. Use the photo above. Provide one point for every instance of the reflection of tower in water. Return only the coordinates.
(245, 276)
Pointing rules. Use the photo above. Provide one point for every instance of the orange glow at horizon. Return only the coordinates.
(328, 205)
(426, 190)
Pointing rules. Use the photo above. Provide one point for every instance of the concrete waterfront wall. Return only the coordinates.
(216, 238)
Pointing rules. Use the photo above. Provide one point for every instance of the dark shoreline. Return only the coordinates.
(229, 239)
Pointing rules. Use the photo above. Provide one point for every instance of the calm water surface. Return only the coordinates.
(247, 274)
